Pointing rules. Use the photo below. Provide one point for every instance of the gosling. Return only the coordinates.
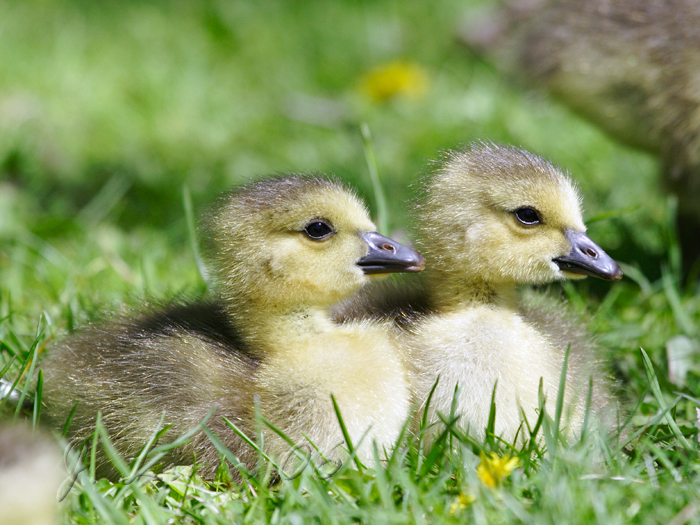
(282, 250)
(493, 218)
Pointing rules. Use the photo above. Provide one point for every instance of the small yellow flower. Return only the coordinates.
(395, 78)
(461, 502)
(493, 470)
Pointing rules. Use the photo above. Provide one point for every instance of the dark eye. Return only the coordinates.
(528, 216)
(318, 230)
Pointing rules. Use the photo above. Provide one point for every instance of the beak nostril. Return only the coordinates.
(591, 253)
(388, 248)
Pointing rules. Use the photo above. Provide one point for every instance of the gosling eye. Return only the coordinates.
(318, 230)
(528, 216)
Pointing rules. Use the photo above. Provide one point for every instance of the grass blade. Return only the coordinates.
(69, 419)
(253, 444)
(587, 413)
(147, 507)
(36, 412)
(102, 505)
(399, 441)
(13, 386)
(136, 464)
(381, 481)
(491, 424)
(104, 201)
(192, 234)
(682, 318)
(612, 214)
(424, 423)
(7, 391)
(30, 374)
(346, 435)
(656, 390)
(230, 457)
(382, 209)
(436, 450)
(6, 368)
(184, 438)
(560, 395)
(634, 273)
(424, 420)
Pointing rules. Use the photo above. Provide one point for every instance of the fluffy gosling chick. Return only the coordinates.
(630, 66)
(285, 254)
(493, 218)
(283, 250)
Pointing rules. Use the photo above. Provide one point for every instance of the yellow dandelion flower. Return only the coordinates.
(493, 470)
(395, 79)
(461, 502)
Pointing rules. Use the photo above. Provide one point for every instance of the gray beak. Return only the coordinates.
(388, 256)
(587, 258)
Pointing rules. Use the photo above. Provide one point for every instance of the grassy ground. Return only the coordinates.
(110, 113)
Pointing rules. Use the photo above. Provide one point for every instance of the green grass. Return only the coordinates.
(110, 113)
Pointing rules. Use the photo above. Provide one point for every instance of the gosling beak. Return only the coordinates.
(587, 258)
(388, 256)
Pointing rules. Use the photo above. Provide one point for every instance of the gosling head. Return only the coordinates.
(504, 216)
(297, 241)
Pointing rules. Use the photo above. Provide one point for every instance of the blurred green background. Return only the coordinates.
(109, 110)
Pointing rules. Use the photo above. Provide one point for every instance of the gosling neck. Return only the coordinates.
(450, 291)
(264, 326)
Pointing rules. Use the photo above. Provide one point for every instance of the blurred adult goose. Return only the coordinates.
(630, 66)
(493, 218)
(283, 250)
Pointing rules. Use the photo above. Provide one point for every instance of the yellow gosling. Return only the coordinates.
(493, 218)
(283, 251)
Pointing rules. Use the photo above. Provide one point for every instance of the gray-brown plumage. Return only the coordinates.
(630, 66)
(282, 251)
(493, 218)
(183, 359)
